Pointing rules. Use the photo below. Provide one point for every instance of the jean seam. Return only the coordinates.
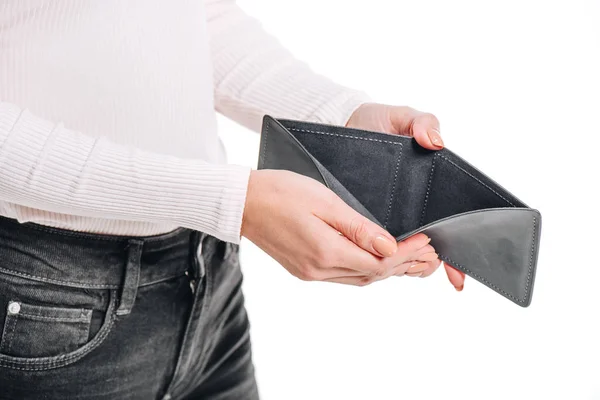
(167, 278)
(201, 299)
(208, 286)
(8, 333)
(58, 281)
(83, 319)
(222, 322)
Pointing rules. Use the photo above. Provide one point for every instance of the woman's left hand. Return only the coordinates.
(425, 128)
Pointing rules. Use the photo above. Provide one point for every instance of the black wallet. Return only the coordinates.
(474, 224)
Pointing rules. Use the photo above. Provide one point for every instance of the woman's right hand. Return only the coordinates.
(315, 235)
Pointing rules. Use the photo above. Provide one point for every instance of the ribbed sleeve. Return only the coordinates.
(46, 166)
(255, 75)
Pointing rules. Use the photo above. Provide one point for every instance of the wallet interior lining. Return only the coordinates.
(402, 187)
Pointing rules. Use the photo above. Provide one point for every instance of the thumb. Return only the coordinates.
(426, 131)
(360, 230)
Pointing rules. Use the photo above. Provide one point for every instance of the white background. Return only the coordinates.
(516, 87)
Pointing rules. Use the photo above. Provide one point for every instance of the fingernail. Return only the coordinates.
(436, 139)
(384, 246)
(459, 288)
(417, 268)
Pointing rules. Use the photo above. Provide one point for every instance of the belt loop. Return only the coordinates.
(131, 277)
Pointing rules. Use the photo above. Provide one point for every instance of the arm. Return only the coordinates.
(46, 166)
(255, 75)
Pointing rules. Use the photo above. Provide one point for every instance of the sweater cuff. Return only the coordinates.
(231, 204)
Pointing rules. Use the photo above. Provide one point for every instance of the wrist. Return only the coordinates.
(248, 205)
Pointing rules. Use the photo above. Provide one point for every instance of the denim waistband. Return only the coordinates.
(93, 260)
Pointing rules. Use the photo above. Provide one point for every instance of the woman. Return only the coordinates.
(119, 218)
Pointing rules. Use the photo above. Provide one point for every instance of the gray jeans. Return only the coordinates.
(95, 316)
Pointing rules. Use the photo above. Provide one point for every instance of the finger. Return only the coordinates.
(433, 266)
(456, 277)
(424, 250)
(408, 252)
(406, 255)
(426, 131)
(351, 280)
(364, 233)
(415, 243)
(344, 253)
(323, 274)
(363, 280)
(417, 269)
(431, 256)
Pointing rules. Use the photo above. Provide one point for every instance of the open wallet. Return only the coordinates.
(474, 224)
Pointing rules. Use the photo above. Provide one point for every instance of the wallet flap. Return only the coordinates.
(498, 247)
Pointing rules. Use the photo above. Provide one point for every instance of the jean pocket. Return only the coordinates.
(45, 326)
(40, 331)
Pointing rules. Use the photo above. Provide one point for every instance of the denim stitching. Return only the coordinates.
(164, 279)
(81, 284)
(81, 319)
(389, 209)
(205, 300)
(56, 281)
(66, 359)
(10, 332)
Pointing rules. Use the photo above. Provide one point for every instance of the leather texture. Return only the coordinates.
(475, 224)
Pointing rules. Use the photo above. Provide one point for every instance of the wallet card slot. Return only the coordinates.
(452, 190)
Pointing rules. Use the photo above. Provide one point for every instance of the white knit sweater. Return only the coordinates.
(107, 111)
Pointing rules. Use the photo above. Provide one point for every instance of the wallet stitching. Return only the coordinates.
(389, 209)
(530, 259)
(346, 136)
(427, 193)
(265, 144)
(478, 180)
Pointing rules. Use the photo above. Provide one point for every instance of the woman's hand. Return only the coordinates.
(315, 235)
(425, 128)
